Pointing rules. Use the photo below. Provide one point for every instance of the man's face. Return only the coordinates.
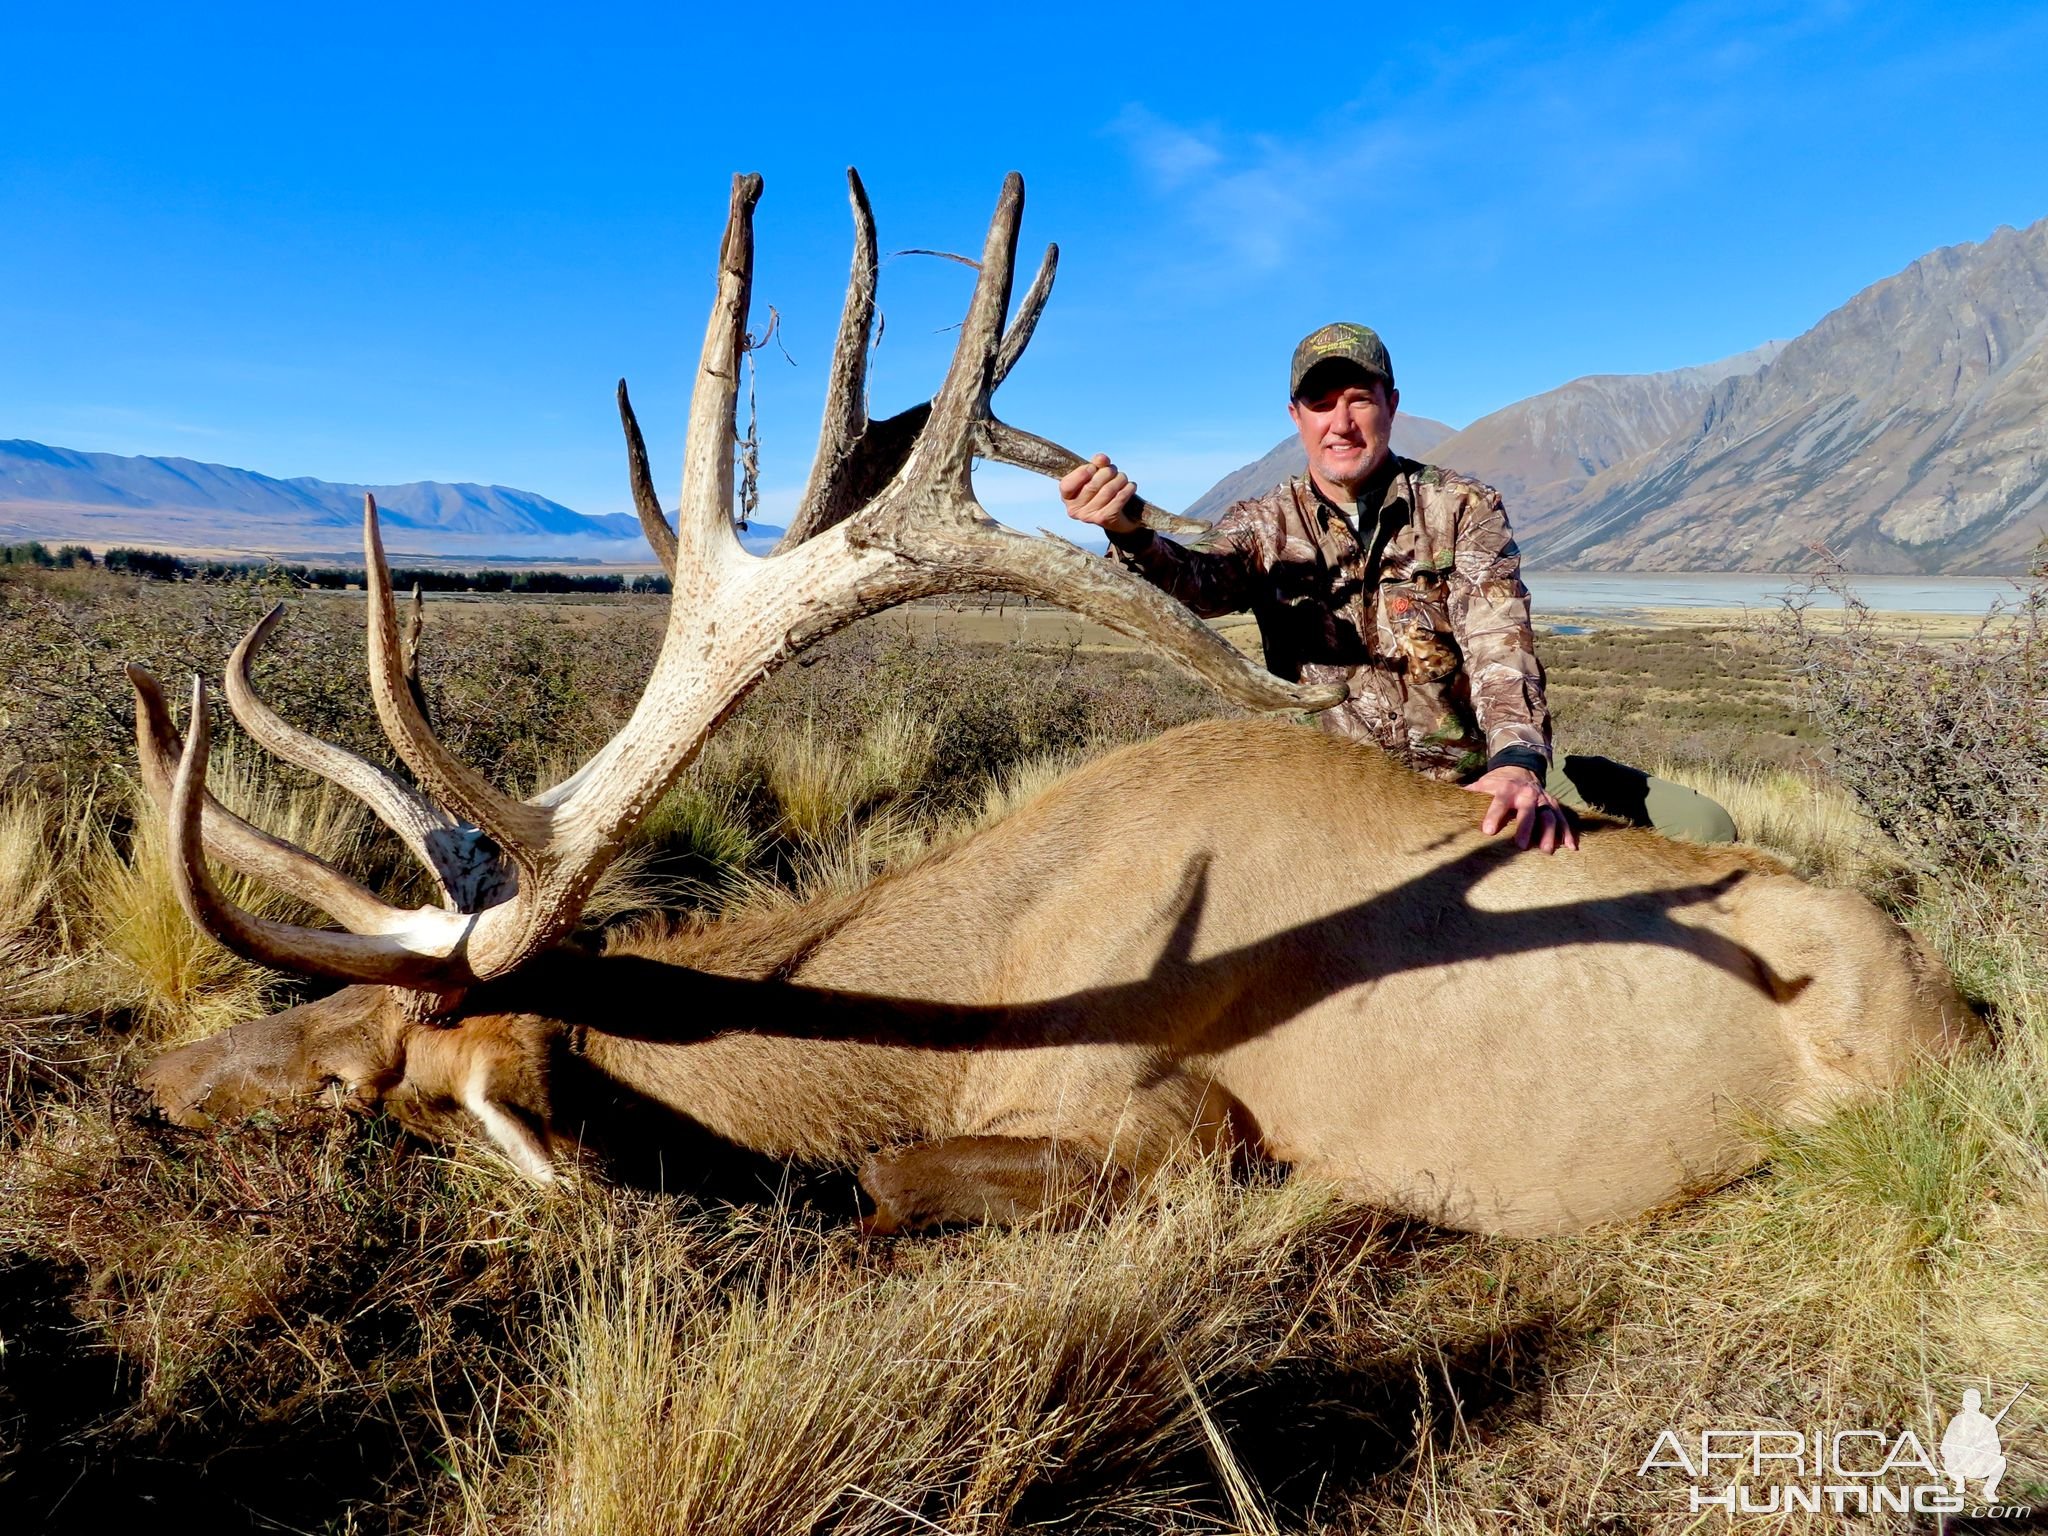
(1345, 424)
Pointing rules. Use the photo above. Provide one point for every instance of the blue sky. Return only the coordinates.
(376, 244)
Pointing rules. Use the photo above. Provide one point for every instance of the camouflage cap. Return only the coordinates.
(1341, 342)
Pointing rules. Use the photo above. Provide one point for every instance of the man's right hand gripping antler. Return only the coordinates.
(1098, 492)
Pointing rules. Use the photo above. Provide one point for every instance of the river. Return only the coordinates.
(1611, 592)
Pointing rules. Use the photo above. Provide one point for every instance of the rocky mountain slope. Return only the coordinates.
(1907, 432)
(1541, 452)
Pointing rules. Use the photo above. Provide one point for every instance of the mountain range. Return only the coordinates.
(1906, 432)
(181, 500)
(181, 505)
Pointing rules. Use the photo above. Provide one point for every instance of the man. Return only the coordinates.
(1403, 581)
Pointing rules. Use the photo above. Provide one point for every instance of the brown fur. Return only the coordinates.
(1242, 933)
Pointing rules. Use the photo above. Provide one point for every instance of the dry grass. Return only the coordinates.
(769, 1375)
(177, 982)
(1813, 825)
(337, 1328)
(28, 872)
(821, 786)
(1024, 782)
(28, 889)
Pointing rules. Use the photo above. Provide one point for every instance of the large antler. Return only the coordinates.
(889, 515)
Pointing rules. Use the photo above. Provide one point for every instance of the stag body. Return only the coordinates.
(1390, 1001)
(1328, 966)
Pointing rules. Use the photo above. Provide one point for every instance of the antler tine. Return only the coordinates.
(383, 958)
(561, 840)
(247, 847)
(868, 456)
(520, 830)
(653, 522)
(944, 454)
(470, 875)
(1005, 444)
(415, 626)
(928, 517)
(704, 532)
(845, 424)
(1025, 321)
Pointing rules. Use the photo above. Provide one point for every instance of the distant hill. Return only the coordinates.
(58, 493)
(1414, 437)
(1907, 431)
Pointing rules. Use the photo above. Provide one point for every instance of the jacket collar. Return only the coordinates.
(1387, 487)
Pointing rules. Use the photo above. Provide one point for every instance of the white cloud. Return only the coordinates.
(1169, 154)
(1586, 120)
(1254, 202)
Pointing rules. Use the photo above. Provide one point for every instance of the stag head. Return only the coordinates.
(888, 515)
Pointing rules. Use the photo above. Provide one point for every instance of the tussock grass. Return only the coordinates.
(1813, 825)
(1024, 782)
(852, 854)
(176, 980)
(701, 825)
(770, 1376)
(28, 872)
(28, 890)
(820, 785)
(817, 785)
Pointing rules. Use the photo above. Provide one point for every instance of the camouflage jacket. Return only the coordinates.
(1429, 625)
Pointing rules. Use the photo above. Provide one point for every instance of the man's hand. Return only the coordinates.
(1519, 796)
(1097, 492)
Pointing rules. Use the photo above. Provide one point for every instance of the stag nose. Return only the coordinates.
(181, 1083)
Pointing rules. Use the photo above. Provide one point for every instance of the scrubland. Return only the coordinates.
(317, 1323)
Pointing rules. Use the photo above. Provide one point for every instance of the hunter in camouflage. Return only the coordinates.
(1402, 581)
(1419, 607)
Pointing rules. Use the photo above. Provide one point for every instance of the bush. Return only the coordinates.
(1945, 745)
(37, 554)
